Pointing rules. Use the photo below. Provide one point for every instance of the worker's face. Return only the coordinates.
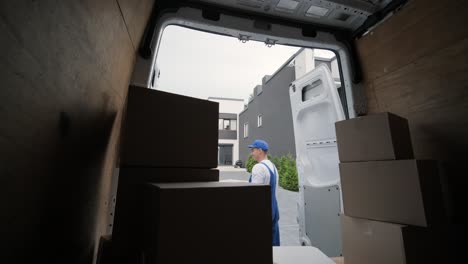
(257, 154)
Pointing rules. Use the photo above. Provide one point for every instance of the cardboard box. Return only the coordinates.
(382, 136)
(371, 242)
(105, 250)
(168, 130)
(129, 205)
(402, 191)
(211, 223)
(108, 253)
(166, 175)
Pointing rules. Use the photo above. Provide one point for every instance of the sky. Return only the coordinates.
(203, 65)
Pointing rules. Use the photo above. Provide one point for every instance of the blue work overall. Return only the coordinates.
(274, 206)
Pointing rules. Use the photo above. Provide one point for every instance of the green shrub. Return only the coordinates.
(250, 163)
(288, 178)
(287, 170)
(277, 162)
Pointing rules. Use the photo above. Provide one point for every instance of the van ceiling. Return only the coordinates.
(345, 14)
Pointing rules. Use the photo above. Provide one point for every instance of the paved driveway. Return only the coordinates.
(287, 202)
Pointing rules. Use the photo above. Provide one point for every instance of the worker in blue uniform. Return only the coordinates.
(265, 172)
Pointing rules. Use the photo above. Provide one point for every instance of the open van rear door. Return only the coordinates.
(316, 106)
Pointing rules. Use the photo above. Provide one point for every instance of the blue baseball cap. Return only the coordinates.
(260, 144)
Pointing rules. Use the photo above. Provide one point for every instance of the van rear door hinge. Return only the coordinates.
(244, 38)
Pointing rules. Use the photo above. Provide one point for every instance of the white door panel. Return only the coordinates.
(316, 106)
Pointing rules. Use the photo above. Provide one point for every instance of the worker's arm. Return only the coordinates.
(258, 175)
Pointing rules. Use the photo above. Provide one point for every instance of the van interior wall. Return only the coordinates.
(65, 70)
(415, 64)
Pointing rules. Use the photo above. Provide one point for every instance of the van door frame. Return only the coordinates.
(234, 26)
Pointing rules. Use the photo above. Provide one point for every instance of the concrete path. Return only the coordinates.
(287, 202)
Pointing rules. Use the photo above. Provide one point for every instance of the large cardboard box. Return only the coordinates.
(168, 130)
(383, 136)
(371, 242)
(129, 175)
(129, 205)
(402, 191)
(209, 223)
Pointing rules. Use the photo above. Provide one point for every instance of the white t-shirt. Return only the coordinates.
(261, 175)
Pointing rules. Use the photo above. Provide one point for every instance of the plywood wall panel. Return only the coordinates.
(65, 68)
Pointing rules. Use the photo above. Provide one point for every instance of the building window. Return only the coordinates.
(246, 130)
(227, 124)
(259, 120)
(233, 124)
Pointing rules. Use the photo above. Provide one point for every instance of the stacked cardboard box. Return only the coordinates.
(173, 140)
(393, 203)
(129, 206)
(168, 130)
(207, 222)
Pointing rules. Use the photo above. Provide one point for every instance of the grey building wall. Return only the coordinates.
(227, 134)
(273, 103)
(228, 116)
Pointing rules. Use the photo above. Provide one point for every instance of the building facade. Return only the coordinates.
(228, 129)
(268, 114)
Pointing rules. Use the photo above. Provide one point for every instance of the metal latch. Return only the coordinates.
(270, 42)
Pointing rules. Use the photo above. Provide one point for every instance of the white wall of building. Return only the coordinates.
(230, 106)
(304, 62)
(235, 147)
(334, 69)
